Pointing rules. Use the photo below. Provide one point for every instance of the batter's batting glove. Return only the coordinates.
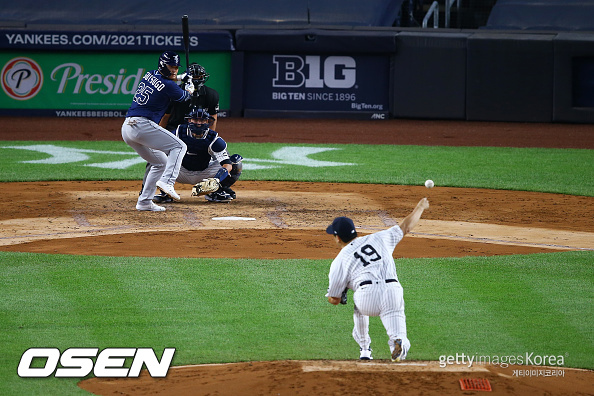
(343, 297)
(206, 186)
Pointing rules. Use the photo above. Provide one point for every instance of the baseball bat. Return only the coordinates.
(186, 34)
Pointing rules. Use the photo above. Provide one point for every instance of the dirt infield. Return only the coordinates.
(307, 378)
(287, 220)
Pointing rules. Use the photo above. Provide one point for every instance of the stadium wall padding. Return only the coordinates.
(510, 77)
(316, 41)
(448, 74)
(574, 78)
(429, 76)
(374, 73)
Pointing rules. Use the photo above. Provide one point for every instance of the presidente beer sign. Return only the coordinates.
(102, 83)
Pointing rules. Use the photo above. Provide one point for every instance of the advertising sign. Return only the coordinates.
(112, 41)
(88, 84)
(318, 83)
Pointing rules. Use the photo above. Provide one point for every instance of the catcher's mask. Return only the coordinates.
(167, 58)
(199, 122)
(198, 73)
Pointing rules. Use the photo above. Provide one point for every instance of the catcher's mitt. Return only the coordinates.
(343, 297)
(206, 186)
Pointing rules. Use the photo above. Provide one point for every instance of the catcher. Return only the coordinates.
(207, 164)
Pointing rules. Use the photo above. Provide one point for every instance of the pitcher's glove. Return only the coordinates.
(343, 297)
(206, 186)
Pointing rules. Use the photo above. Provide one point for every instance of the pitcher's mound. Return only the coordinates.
(325, 377)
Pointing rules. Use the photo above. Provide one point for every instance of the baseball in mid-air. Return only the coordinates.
(429, 184)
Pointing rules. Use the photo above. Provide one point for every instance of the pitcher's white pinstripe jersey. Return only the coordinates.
(365, 258)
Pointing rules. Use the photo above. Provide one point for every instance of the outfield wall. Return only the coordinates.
(367, 73)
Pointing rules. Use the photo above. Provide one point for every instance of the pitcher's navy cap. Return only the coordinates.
(343, 227)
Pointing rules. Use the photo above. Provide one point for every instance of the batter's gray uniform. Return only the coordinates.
(141, 131)
(366, 266)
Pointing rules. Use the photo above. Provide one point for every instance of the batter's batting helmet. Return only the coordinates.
(167, 58)
(199, 74)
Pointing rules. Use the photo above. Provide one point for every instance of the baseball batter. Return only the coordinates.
(141, 130)
(203, 97)
(365, 265)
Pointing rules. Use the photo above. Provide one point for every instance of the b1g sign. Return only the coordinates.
(317, 83)
(338, 71)
(78, 362)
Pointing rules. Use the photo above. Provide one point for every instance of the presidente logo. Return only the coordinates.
(22, 78)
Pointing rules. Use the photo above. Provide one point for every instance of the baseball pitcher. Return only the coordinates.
(366, 266)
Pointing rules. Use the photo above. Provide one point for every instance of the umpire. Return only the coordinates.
(203, 97)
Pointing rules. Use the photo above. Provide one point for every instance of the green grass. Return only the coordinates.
(564, 171)
(242, 310)
(238, 310)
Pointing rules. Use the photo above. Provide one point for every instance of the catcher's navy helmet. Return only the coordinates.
(167, 58)
(199, 74)
(206, 119)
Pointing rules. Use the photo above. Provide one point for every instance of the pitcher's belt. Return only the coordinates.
(368, 282)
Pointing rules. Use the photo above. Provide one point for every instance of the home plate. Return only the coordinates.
(233, 218)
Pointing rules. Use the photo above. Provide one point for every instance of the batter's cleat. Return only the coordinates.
(218, 196)
(162, 198)
(365, 354)
(151, 207)
(397, 352)
(168, 189)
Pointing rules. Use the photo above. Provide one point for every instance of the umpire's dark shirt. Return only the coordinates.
(206, 98)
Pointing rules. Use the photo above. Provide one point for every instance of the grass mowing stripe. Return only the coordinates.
(533, 169)
(238, 310)
(566, 171)
(513, 301)
(569, 274)
(205, 306)
(465, 317)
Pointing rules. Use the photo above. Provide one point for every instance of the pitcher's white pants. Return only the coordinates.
(385, 300)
